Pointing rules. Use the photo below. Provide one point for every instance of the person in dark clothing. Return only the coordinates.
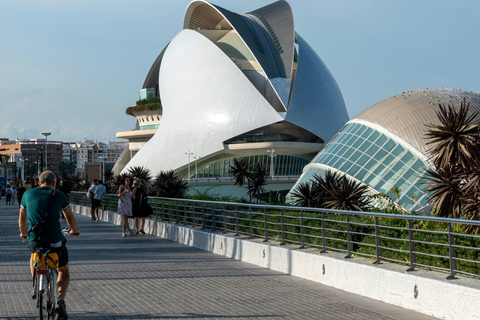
(19, 194)
(140, 208)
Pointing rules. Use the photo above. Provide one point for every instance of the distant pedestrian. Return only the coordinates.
(14, 192)
(140, 207)
(91, 196)
(8, 195)
(125, 206)
(100, 191)
(20, 191)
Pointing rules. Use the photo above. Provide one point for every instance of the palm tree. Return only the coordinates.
(257, 180)
(167, 184)
(345, 194)
(445, 188)
(141, 173)
(453, 136)
(240, 169)
(303, 195)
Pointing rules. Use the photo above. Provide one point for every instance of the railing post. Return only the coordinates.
(265, 224)
(411, 242)
(237, 226)
(283, 229)
(349, 239)
(169, 211)
(178, 213)
(453, 254)
(203, 216)
(213, 218)
(224, 219)
(185, 213)
(324, 235)
(302, 231)
(378, 242)
(194, 215)
(163, 210)
(250, 222)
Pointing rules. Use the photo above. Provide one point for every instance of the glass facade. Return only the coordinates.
(283, 166)
(148, 127)
(378, 161)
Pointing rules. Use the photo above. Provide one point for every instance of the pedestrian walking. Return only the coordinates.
(100, 191)
(125, 206)
(8, 195)
(140, 207)
(91, 197)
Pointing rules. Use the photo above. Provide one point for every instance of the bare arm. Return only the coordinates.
(120, 193)
(72, 223)
(22, 223)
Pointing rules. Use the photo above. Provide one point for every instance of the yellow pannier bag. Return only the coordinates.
(39, 260)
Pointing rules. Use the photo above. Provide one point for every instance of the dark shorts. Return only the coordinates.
(92, 203)
(97, 203)
(62, 251)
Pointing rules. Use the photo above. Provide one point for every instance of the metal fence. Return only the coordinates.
(414, 241)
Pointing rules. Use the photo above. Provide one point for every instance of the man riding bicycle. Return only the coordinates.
(42, 207)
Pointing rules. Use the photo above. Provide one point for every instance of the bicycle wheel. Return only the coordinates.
(42, 306)
(51, 293)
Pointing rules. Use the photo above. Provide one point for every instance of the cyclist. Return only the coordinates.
(35, 204)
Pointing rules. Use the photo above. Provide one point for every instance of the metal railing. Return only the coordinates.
(415, 241)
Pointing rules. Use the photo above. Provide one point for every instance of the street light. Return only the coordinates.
(46, 134)
(196, 157)
(189, 153)
(272, 155)
(103, 166)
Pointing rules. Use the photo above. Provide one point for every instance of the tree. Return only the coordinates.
(141, 173)
(257, 180)
(454, 184)
(240, 169)
(167, 184)
(345, 194)
(452, 137)
(332, 192)
(66, 168)
(5, 157)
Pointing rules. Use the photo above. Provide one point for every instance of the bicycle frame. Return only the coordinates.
(45, 284)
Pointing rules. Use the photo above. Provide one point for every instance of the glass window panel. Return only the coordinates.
(353, 169)
(348, 154)
(363, 159)
(389, 145)
(361, 130)
(372, 150)
(365, 145)
(388, 181)
(367, 133)
(355, 127)
(398, 150)
(408, 158)
(332, 160)
(357, 143)
(328, 158)
(381, 140)
(361, 174)
(374, 136)
(342, 150)
(345, 165)
(389, 160)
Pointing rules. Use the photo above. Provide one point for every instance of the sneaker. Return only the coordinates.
(94, 219)
(124, 234)
(61, 310)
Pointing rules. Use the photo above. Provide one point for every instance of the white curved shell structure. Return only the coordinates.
(227, 77)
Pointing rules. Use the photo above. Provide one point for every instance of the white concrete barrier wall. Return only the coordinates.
(427, 292)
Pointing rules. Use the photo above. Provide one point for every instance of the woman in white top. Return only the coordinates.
(125, 206)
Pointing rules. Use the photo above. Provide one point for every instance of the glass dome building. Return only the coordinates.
(385, 146)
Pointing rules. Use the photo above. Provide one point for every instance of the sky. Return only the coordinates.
(73, 67)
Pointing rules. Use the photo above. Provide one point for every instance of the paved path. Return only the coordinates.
(146, 277)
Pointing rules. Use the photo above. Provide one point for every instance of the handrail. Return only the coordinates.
(416, 241)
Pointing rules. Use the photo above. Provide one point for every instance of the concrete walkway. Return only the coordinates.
(146, 277)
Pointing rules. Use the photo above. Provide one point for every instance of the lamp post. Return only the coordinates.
(189, 153)
(196, 157)
(23, 169)
(46, 134)
(103, 167)
(272, 155)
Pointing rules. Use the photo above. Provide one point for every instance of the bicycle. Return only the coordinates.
(45, 265)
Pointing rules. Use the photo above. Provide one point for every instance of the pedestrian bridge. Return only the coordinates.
(151, 277)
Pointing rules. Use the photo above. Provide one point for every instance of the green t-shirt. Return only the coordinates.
(36, 202)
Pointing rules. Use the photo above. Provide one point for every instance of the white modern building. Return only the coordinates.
(385, 146)
(234, 85)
